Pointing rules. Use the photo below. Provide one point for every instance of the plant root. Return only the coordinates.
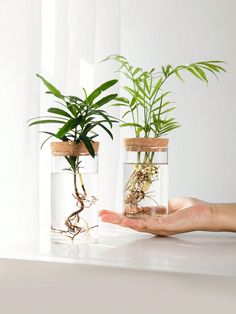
(145, 212)
(73, 222)
(137, 188)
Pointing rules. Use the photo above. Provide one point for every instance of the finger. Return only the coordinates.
(112, 218)
(104, 212)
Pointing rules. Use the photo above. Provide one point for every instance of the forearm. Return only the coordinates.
(225, 216)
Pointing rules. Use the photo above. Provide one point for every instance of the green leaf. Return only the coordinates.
(164, 71)
(73, 109)
(214, 67)
(46, 121)
(72, 161)
(106, 117)
(136, 71)
(168, 110)
(139, 130)
(161, 97)
(93, 136)
(125, 114)
(200, 72)
(145, 82)
(64, 138)
(74, 99)
(88, 144)
(143, 91)
(69, 125)
(131, 125)
(178, 75)
(85, 92)
(99, 90)
(209, 70)
(157, 87)
(133, 93)
(89, 126)
(44, 142)
(52, 89)
(106, 129)
(162, 106)
(122, 99)
(104, 100)
(59, 112)
(194, 73)
(132, 103)
(48, 117)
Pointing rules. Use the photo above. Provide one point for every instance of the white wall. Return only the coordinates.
(19, 60)
(203, 151)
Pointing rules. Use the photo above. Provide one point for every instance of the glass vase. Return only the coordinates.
(145, 177)
(74, 192)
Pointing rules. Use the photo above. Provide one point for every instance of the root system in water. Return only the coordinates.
(74, 223)
(138, 189)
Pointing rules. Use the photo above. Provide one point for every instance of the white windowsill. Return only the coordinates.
(194, 253)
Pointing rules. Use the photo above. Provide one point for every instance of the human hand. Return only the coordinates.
(185, 214)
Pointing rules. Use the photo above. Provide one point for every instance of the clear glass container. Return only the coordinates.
(74, 193)
(145, 177)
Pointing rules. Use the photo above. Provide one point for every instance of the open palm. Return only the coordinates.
(185, 214)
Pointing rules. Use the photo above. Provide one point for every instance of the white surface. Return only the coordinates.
(194, 253)
(122, 273)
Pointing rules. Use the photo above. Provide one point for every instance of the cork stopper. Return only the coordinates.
(145, 144)
(72, 148)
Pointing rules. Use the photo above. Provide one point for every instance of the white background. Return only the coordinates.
(68, 38)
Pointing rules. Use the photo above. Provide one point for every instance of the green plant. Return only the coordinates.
(76, 120)
(146, 102)
(147, 111)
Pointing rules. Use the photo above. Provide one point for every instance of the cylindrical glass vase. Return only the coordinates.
(74, 192)
(145, 177)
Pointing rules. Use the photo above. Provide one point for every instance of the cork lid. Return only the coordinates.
(143, 144)
(72, 148)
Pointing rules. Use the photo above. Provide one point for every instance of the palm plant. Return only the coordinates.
(77, 120)
(147, 112)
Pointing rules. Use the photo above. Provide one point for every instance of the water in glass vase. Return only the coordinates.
(74, 207)
(145, 189)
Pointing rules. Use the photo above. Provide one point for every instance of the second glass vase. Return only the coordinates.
(145, 177)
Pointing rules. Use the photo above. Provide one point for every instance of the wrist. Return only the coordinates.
(224, 216)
